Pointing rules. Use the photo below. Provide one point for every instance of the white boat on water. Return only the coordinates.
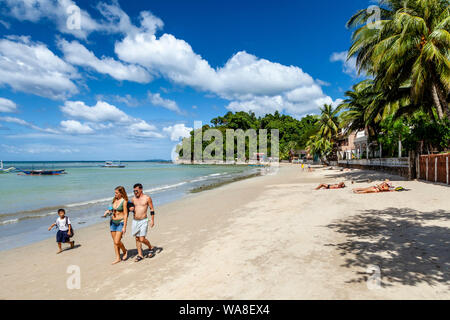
(111, 164)
(2, 170)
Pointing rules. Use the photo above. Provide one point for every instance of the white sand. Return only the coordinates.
(271, 237)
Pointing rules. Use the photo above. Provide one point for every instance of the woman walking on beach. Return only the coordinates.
(118, 224)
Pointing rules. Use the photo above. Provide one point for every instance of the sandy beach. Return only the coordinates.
(269, 237)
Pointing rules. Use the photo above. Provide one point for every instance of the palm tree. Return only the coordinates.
(366, 107)
(329, 122)
(324, 142)
(319, 146)
(355, 107)
(407, 49)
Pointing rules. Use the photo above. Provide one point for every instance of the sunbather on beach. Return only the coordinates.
(339, 185)
(382, 187)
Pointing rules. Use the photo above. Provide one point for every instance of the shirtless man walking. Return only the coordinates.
(141, 204)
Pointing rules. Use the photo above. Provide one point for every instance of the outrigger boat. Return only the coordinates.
(110, 164)
(44, 172)
(2, 170)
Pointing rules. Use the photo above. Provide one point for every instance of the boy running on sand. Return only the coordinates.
(64, 230)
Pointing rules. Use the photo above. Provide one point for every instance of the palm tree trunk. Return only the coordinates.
(437, 103)
(443, 101)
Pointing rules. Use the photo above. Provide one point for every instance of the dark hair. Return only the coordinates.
(61, 210)
(138, 185)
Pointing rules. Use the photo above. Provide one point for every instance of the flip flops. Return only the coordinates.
(138, 258)
(157, 249)
(152, 252)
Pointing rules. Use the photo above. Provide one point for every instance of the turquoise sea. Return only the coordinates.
(28, 204)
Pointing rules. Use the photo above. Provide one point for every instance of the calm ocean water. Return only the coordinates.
(28, 204)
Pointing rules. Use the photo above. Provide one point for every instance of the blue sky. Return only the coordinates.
(131, 78)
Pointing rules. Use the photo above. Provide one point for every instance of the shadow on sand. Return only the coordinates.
(76, 246)
(366, 175)
(132, 253)
(401, 241)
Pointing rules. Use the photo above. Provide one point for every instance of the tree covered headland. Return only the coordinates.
(293, 134)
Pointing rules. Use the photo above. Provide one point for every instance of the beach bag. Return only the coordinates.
(67, 225)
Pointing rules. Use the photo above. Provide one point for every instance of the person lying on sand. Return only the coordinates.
(340, 185)
(382, 187)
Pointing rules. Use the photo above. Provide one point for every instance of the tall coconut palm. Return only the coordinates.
(356, 105)
(328, 128)
(365, 107)
(407, 48)
(328, 122)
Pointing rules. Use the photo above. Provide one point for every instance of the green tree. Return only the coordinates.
(407, 51)
(293, 134)
(320, 146)
(328, 122)
(323, 142)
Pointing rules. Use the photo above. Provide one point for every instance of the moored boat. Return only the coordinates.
(43, 172)
(111, 164)
(3, 170)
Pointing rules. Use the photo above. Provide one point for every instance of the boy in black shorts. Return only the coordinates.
(64, 230)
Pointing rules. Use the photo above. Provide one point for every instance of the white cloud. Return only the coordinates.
(249, 82)
(243, 75)
(32, 68)
(56, 11)
(177, 131)
(306, 93)
(337, 102)
(7, 105)
(104, 116)
(144, 130)
(118, 21)
(264, 105)
(24, 123)
(245, 80)
(14, 120)
(112, 18)
(5, 24)
(297, 102)
(38, 149)
(323, 83)
(127, 99)
(76, 127)
(157, 100)
(101, 112)
(349, 66)
(77, 54)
